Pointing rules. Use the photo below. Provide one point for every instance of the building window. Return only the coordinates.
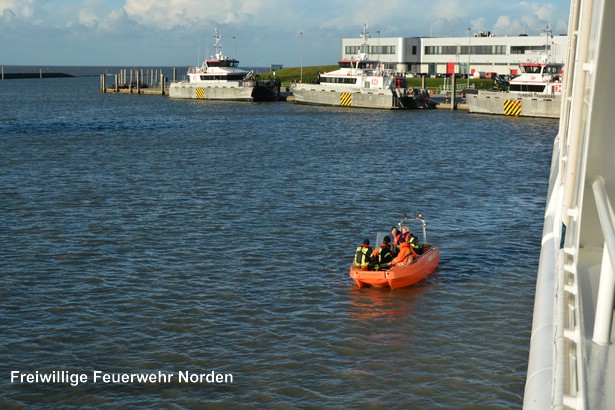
(449, 49)
(463, 50)
(339, 80)
(352, 50)
(414, 50)
(527, 49)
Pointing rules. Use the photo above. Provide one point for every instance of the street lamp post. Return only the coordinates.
(379, 64)
(469, 52)
(301, 34)
(235, 47)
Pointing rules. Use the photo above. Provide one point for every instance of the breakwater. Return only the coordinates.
(11, 76)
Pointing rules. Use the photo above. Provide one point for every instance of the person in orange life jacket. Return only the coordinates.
(405, 232)
(405, 255)
(363, 255)
(414, 243)
(383, 254)
(396, 235)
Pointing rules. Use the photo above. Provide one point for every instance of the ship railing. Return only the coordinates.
(606, 287)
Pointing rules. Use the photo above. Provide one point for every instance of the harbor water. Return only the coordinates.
(146, 236)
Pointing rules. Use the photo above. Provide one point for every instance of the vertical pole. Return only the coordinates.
(469, 52)
(174, 74)
(606, 286)
(453, 86)
(301, 78)
(161, 83)
(604, 312)
(138, 81)
(117, 83)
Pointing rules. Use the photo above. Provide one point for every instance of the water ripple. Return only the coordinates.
(147, 234)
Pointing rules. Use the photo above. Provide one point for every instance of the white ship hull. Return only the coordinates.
(572, 355)
(515, 104)
(311, 94)
(223, 91)
(314, 94)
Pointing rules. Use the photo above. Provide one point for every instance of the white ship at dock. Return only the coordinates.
(361, 82)
(572, 355)
(220, 78)
(535, 92)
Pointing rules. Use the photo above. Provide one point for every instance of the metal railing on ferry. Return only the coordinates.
(606, 287)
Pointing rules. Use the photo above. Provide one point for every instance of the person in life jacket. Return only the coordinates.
(383, 254)
(396, 235)
(405, 233)
(363, 255)
(414, 243)
(405, 255)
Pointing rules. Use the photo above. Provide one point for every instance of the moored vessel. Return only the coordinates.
(220, 78)
(361, 82)
(535, 92)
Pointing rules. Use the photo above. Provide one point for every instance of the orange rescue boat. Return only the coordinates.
(401, 276)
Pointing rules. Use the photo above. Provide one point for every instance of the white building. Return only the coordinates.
(479, 53)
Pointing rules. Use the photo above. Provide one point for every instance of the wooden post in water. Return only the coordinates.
(453, 86)
(161, 83)
(117, 83)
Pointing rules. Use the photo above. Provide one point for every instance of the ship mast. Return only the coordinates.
(217, 46)
(549, 36)
(364, 50)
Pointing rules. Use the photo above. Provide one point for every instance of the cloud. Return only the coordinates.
(265, 31)
(18, 8)
(8, 16)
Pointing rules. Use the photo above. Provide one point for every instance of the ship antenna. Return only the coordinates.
(217, 46)
(364, 46)
(549, 36)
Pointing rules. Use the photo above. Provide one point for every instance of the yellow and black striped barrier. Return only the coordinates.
(512, 107)
(200, 93)
(345, 99)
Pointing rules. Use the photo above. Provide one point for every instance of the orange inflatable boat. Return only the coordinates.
(401, 276)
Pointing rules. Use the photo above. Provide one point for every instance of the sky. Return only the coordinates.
(257, 32)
